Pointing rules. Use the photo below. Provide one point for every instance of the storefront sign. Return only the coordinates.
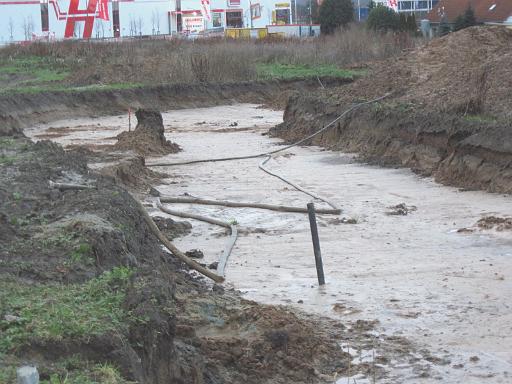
(193, 23)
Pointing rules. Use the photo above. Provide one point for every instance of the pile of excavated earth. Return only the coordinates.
(446, 112)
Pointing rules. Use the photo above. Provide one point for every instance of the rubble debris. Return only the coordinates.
(401, 209)
(195, 254)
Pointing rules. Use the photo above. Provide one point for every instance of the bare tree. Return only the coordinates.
(102, 27)
(133, 26)
(155, 22)
(157, 15)
(28, 27)
(10, 26)
(97, 28)
(140, 25)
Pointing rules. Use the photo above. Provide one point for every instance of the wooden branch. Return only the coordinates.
(175, 251)
(280, 208)
(72, 187)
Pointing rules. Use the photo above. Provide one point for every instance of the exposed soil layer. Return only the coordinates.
(176, 328)
(449, 115)
(148, 137)
(18, 111)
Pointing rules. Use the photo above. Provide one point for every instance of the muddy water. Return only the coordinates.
(447, 291)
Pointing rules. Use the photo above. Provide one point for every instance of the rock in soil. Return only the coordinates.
(195, 254)
(172, 229)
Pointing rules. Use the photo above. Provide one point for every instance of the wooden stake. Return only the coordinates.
(316, 244)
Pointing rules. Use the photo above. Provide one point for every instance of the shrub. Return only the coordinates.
(334, 14)
(467, 19)
(382, 18)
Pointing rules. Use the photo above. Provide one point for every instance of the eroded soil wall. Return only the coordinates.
(456, 150)
(18, 111)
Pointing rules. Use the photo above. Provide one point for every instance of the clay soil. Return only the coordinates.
(447, 113)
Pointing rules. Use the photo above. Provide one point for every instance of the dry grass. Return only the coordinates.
(213, 60)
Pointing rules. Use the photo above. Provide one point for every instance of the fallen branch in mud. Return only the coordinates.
(229, 245)
(224, 203)
(175, 251)
(70, 187)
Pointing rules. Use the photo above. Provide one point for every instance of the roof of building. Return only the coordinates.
(486, 11)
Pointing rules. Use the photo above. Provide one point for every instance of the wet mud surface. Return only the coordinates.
(428, 303)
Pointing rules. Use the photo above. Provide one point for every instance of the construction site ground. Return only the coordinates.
(407, 255)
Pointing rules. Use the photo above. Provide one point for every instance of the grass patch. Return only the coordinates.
(54, 312)
(33, 69)
(7, 160)
(290, 71)
(82, 254)
(35, 89)
(480, 118)
(87, 374)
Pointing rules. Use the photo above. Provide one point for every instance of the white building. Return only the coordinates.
(409, 6)
(33, 19)
(193, 16)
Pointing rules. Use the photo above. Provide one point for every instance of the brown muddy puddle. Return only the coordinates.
(420, 276)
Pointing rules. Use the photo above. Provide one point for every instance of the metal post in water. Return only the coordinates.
(316, 244)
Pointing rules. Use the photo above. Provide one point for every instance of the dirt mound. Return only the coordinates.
(132, 173)
(448, 114)
(148, 137)
(447, 73)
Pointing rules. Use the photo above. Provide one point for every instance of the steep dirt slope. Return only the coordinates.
(448, 115)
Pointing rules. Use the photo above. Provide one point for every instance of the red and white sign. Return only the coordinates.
(233, 3)
(193, 23)
(205, 9)
(393, 4)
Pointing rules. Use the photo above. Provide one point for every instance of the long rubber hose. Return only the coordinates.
(229, 244)
(234, 233)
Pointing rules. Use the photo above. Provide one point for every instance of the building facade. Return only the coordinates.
(419, 7)
(23, 20)
(194, 16)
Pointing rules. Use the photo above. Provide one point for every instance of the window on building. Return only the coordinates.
(282, 16)
(255, 11)
(217, 19)
(234, 19)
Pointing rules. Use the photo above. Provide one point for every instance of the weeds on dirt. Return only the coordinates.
(290, 71)
(87, 373)
(178, 61)
(53, 312)
(476, 100)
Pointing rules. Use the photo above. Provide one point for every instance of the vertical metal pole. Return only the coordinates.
(129, 119)
(316, 244)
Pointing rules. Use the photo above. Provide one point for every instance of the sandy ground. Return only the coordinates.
(447, 291)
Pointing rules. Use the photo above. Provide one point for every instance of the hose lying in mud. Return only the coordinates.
(232, 227)
(298, 187)
(224, 203)
(268, 155)
(330, 125)
(175, 251)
